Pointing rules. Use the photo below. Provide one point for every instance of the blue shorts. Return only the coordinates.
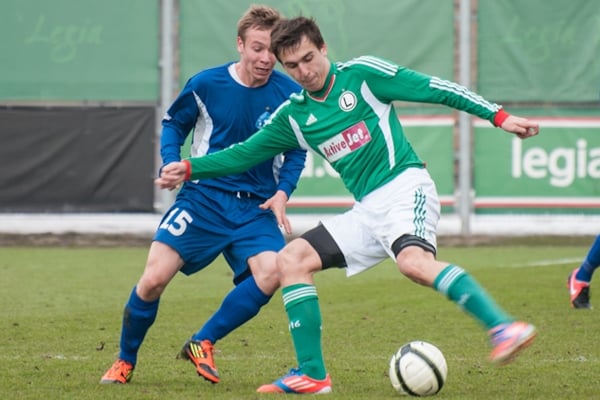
(203, 224)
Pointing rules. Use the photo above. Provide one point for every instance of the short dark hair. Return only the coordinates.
(288, 34)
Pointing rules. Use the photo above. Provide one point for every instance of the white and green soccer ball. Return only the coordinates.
(418, 369)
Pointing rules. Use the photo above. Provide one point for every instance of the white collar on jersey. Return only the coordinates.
(234, 74)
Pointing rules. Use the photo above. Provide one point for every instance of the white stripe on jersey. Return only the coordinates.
(202, 130)
(300, 136)
(373, 62)
(462, 91)
(383, 112)
(274, 113)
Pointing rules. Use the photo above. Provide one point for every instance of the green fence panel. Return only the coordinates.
(415, 33)
(435, 145)
(539, 50)
(79, 50)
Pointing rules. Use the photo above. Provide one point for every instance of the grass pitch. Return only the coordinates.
(61, 313)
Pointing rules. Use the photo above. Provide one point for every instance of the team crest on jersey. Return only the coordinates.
(347, 101)
(346, 142)
(262, 119)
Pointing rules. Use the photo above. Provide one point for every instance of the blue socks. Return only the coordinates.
(138, 317)
(240, 305)
(591, 262)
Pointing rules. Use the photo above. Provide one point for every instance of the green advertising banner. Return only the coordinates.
(79, 50)
(320, 188)
(415, 33)
(539, 50)
(558, 169)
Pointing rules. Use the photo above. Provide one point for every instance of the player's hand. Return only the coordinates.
(171, 176)
(277, 204)
(522, 127)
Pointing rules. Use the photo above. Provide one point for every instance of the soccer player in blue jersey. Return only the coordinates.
(579, 280)
(346, 115)
(238, 216)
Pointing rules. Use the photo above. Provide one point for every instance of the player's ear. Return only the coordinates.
(240, 45)
(324, 49)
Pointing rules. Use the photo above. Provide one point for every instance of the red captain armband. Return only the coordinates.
(188, 170)
(500, 117)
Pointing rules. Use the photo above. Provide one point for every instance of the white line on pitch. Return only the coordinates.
(543, 263)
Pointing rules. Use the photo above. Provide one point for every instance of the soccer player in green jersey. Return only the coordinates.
(345, 114)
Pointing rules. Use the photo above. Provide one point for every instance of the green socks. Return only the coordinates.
(462, 289)
(302, 307)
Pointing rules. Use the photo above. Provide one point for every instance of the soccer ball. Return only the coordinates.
(418, 369)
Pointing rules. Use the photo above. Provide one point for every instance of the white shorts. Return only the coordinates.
(409, 204)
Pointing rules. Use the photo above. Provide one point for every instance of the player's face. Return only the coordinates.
(256, 59)
(307, 64)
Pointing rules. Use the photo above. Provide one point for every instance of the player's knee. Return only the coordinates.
(264, 264)
(413, 263)
(268, 279)
(288, 258)
(148, 290)
(151, 286)
(297, 261)
(265, 271)
(162, 265)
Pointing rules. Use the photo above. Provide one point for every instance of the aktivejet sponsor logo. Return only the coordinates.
(345, 142)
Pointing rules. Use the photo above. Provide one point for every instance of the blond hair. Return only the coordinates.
(257, 16)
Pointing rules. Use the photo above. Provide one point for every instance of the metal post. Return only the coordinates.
(464, 120)
(167, 58)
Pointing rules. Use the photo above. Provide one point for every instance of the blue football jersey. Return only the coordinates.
(218, 111)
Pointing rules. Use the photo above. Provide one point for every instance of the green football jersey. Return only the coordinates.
(351, 123)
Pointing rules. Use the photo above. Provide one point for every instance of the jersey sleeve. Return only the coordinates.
(274, 138)
(177, 123)
(289, 174)
(403, 84)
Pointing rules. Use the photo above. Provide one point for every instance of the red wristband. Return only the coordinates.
(188, 170)
(500, 117)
